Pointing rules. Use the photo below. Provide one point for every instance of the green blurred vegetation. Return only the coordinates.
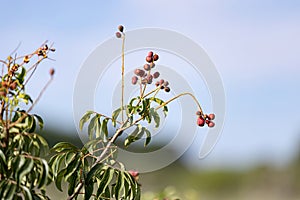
(178, 182)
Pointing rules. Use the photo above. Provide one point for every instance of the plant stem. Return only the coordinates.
(176, 97)
(123, 66)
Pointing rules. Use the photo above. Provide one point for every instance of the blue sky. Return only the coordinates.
(255, 46)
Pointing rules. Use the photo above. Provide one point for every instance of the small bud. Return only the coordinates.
(147, 67)
(167, 89)
(121, 28)
(134, 80)
(155, 57)
(118, 35)
(53, 49)
(150, 54)
(26, 59)
(46, 47)
(156, 75)
(200, 121)
(198, 113)
(51, 72)
(149, 59)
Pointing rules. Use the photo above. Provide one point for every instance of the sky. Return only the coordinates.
(254, 45)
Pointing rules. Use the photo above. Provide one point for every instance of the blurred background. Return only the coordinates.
(255, 46)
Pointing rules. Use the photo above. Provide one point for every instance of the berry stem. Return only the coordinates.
(179, 95)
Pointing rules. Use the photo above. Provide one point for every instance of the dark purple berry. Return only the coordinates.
(121, 28)
(134, 80)
(155, 57)
(118, 35)
(156, 75)
(157, 84)
(147, 67)
(167, 89)
(161, 81)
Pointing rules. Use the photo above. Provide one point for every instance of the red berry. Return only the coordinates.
(211, 124)
(118, 35)
(156, 75)
(211, 116)
(150, 54)
(155, 57)
(149, 59)
(134, 80)
(147, 67)
(200, 121)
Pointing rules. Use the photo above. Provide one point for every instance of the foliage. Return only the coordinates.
(24, 173)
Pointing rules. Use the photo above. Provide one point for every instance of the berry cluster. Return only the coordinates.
(145, 75)
(205, 119)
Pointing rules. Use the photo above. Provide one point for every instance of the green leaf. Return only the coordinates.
(26, 192)
(104, 131)
(115, 115)
(72, 167)
(25, 169)
(148, 137)
(85, 118)
(45, 172)
(92, 126)
(72, 184)
(119, 184)
(92, 172)
(88, 191)
(64, 146)
(40, 121)
(3, 158)
(155, 116)
(59, 179)
(10, 191)
(105, 181)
